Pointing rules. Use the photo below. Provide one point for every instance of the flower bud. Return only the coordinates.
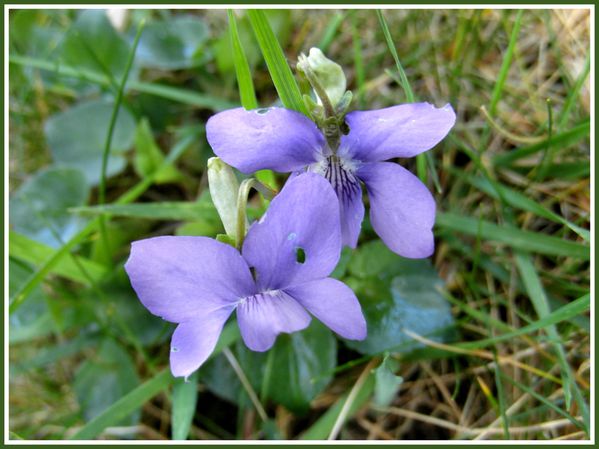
(224, 186)
(329, 74)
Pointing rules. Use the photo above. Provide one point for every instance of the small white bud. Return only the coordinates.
(224, 186)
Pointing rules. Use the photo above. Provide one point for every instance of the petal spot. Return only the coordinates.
(262, 111)
(174, 349)
(292, 236)
(300, 255)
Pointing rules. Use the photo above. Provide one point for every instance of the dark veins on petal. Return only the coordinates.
(343, 181)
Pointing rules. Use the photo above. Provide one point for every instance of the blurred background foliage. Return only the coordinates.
(488, 339)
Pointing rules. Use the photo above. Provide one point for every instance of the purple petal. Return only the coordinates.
(193, 341)
(402, 210)
(399, 131)
(184, 278)
(264, 316)
(351, 209)
(333, 303)
(270, 138)
(302, 220)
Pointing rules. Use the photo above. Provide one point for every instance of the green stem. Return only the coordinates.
(111, 126)
(242, 199)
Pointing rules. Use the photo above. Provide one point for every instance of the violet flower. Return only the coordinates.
(198, 282)
(402, 210)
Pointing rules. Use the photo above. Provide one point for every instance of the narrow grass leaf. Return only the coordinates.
(513, 237)
(185, 96)
(242, 68)
(536, 293)
(281, 74)
(564, 139)
(146, 391)
(322, 428)
(506, 64)
(520, 201)
(35, 253)
(184, 399)
(174, 210)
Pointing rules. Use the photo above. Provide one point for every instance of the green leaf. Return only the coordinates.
(148, 157)
(39, 207)
(279, 70)
(35, 253)
(173, 43)
(402, 294)
(105, 378)
(184, 398)
(295, 371)
(513, 237)
(34, 31)
(301, 367)
(386, 382)
(77, 136)
(92, 43)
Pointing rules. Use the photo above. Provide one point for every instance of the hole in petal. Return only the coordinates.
(254, 274)
(174, 349)
(300, 255)
(262, 111)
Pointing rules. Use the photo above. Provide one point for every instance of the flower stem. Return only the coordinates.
(242, 199)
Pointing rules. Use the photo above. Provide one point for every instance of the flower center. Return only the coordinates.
(340, 173)
(264, 295)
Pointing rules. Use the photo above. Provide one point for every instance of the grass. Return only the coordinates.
(512, 189)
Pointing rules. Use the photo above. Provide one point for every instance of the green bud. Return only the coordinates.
(223, 190)
(329, 74)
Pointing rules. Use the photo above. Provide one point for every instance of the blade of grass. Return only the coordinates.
(184, 399)
(185, 96)
(563, 140)
(574, 92)
(358, 61)
(28, 250)
(279, 70)
(330, 31)
(144, 392)
(166, 210)
(108, 142)
(536, 293)
(512, 236)
(518, 200)
(505, 65)
(322, 428)
(242, 68)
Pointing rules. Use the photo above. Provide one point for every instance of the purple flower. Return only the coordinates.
(280, 276)
(402, 210)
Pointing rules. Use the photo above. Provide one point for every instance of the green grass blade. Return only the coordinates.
(185, 96)
(513, 237)
(125, 406)
(358, 60)
(111, 125)
(564, 139)
(281, 74)
(35, 253)
(505, 65)
(167, 210)
(573, 93)
(330, 31)
(536, 293)
(242, 68)
(184, 399)
(321, 429)
(144, 392)
(518, 200)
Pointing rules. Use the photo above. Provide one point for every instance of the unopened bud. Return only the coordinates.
(329, 74)
(224, 186)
